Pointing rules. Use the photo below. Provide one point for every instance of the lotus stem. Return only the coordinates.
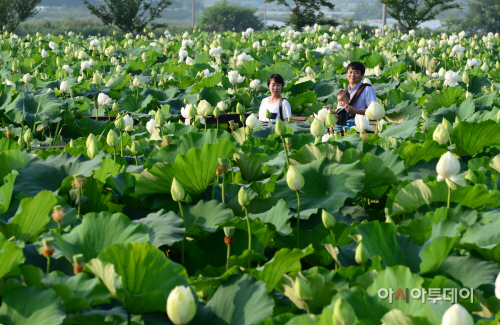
(79, 200)
(298, 219)
(228, 256)
(249, 238)
(48, 264)
(136, 162)
(57, 129)
(114, 151)
(121, 142)
(59, 224)
(286, 152)
(217, 122)
(307, 307)
(448, 204)
(232, 172)
(223, 181)
(183, 239)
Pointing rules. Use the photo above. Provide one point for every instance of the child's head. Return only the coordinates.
(343, 98)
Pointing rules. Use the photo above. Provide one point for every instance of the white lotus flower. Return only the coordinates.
(473, 63)
(256, 45)
(68, 69)
(442, 72)
(204, 108)
(457, 315)
(114, 61)
(254, 83)
(52, 45)
(318, 128)
(222, 106)
(485, 67)
(82, 55)
(309, 70)
(451, 78)
(85, 65)
(326, 137)
(185, 35)
(207, 73)
(95, 43)
(44, 54)
(190, 61)
(448, 168)
(9, 83)
(441, 134)
(462, 34)
(457, 49)
(64, 88)
(183, 53)
(405, 38)
(129, 123)
(497, 285)
(151, 125)
(253, 122)
(103, 99)
(181, 306)
(362, 123)
(322, 114)
(27, 78)
(411, 32)
(375, 111)
(234, 77)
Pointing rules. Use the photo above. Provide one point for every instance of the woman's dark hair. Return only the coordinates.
(277, 79)
(356, 66)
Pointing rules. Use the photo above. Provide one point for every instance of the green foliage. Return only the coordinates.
(411, 13)
(223, 17)
(14, 12)
(128, 15)
(307, 12)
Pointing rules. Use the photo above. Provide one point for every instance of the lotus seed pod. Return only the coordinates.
(58, 213)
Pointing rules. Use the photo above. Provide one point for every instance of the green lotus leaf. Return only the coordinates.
(472, 138)
(310, 153)
(435, 253)
(240, 301)
(131, 103)
(24, 306)
(195, 170)
(207, 214)
(458, 268)
(302, 99)
(414, 152)
(13, 159)
(97, 232)
(48, 174)
(11, 257)
(272, 211)
(442, 98)
(284, 69)
(401, 131)
(6, 191)
(31, 217)
(418, 193)
(327, 185)
(284, 261)
(139, 275)
(79, 292)
(28, 109)
(484, 239)
(251, 165)
(164, 228)
(118, 81)
(213, 95)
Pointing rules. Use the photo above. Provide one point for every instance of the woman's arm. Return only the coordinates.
(262, 111)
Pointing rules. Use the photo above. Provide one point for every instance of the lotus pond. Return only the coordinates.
(110, 203)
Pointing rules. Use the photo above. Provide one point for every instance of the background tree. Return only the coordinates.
(411, 13)
(306, 12)
(14, 12)
(483, 16)
(223, 17)
(128, 15)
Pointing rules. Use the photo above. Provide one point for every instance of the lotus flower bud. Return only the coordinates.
(441, 134)
(160, 118)
(92, 147)
(280, 127)
(129, 123)
(485, 67)
(27, 78)
(457, 315)
(362, 122)
(375, 111)
(58, 213)
(317, 128)
(222, 106)
(204, 108)
(268, 114)
(302, 290)
(115, 107)
(136, 82)
(243, 198)
(72, 144)
(361, 255)
(177, 191)
(112, 139)
(216, 112)
(47, 250)
(253, 122)
(135, 147)
(377, 71)
(330, 120)
(294, 179)
(328, 220)
(343, 314)
(465, 78)
(248, 131)
(309, 70)
(28, 136)
(181, 306)
(191, 109)
(240, 109)
(447, 125)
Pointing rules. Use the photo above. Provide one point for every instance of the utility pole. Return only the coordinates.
(383, 16)
(264, 10)
(192, 14)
